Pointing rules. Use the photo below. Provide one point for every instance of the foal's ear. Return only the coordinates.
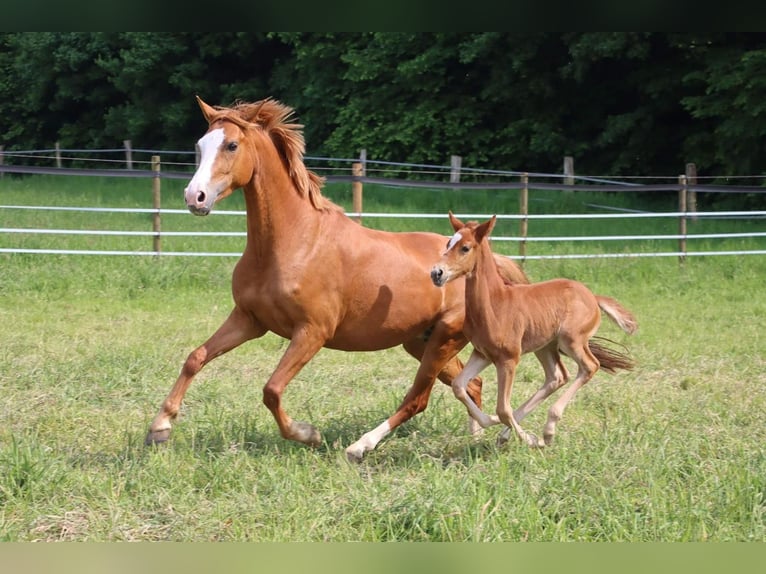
(207, 110)
(457, 225)
(485, 228)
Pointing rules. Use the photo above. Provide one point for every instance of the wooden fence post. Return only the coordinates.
(691, 179)
(356, 189)
(682, 191)
(454, 172)
(58, 155)
(156, 203)
(128, 154)
(568, 170)
(523, 211)
(363, 161)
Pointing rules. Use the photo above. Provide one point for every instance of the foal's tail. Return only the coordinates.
(617, 313)
(610, 359)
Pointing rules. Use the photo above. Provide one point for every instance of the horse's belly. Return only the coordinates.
(380, 326)
(373, 339)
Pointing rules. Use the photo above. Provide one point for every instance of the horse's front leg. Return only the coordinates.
(305, 343)
(556, 376)
(237, 329)
(506, 371)
(476, 364)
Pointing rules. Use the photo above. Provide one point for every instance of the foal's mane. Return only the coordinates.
(274, 118)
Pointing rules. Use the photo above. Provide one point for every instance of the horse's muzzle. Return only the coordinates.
(199, 202)
(437, 276)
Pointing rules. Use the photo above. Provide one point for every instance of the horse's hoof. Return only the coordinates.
(533, 441)
(157, 437)
(503, 437)
(475, 429)
(354, 456)
(306, 434)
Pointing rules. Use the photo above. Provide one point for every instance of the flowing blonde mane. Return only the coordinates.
(274, 118)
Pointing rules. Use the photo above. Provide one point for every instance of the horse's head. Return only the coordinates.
(244, 140)
(226, 162)
(459, 258)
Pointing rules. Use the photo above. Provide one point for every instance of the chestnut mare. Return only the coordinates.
(505, 321)
(312, 275)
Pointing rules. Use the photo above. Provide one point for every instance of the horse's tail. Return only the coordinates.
(617, 313)
(610, 359)
(509, 270)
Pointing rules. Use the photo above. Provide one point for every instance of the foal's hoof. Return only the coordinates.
(534, 442)
(157, 437)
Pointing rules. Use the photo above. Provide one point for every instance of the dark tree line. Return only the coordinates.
(620, 103)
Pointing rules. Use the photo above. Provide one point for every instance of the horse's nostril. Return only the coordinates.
(201, 197)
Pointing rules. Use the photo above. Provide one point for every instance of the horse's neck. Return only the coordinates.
(483, 283)
(276, 213)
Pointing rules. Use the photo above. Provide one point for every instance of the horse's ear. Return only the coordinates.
(485, 228)
(207, 110)
(456, 223)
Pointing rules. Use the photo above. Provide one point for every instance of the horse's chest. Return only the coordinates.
(279, 301)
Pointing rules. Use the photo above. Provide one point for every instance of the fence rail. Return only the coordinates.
(521, 183)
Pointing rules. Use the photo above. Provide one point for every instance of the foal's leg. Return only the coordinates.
(442, 346)
(587, 367)
(476, 363)
(237, 329)
(505, 374)
(451, 370)
(556, 376)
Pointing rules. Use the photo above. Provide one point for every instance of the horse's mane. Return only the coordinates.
(508, 270)
(274, 119)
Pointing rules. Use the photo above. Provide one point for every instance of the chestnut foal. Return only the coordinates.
(505, 321)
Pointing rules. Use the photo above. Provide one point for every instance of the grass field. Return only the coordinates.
(673, 451)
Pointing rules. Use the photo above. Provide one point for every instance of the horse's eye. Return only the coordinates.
(231, 146)
(465, 249)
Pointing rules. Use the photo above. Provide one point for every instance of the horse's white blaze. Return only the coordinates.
(209, 144)
(455, 238)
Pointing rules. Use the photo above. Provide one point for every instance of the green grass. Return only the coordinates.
(672, 451)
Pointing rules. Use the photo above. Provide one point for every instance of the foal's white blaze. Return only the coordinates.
(455, 238)
(209, 144)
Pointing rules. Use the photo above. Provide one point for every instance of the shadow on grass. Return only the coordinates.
(417, 442)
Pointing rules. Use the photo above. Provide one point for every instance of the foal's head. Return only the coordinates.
(459, 258)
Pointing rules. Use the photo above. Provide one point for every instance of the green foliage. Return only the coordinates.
(620, 103)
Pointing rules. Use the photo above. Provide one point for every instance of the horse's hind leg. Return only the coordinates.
(237, 329)
(440, 349)
(448, 374)
(587, 367)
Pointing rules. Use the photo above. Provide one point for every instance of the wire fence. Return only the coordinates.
(507, 180)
